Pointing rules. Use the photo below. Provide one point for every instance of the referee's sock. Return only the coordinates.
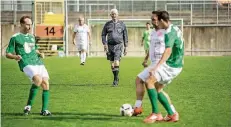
(116, 72)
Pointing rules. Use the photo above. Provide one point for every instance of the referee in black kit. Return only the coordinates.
(116, 42)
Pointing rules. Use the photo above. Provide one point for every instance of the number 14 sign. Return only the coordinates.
(46, 31)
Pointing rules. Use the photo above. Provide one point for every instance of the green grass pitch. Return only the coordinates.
(82, 96)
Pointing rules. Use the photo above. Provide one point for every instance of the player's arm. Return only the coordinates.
(74, 34)
(142, 41)
(89, 36)
(145, 60)
(104, 34)
(169, 42)
(125, 37)
(40, 53)
(73, 37)
(10, 50)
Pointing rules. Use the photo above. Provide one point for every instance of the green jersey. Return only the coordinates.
(24, 45)
(174, 40)
(146, 38)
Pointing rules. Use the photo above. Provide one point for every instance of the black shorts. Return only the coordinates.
(114, 52)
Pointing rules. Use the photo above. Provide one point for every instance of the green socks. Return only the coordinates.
(164, 101)
(45, 99)
(152, 93)
(32, 94)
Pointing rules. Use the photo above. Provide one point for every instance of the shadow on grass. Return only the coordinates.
(103, 84)
(59, 116)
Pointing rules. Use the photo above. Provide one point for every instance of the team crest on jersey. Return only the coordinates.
(28, 47)
(119, 30)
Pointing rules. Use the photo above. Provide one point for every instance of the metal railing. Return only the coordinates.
(200, 13)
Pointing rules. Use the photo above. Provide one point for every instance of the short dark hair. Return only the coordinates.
(22, 19)
(155, 12)
(147, 23)
(163, 15)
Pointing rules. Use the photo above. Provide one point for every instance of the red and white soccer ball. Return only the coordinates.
(126, 110)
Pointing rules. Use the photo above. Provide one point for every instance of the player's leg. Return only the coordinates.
(84, 52)
(46, 92)
(164, 99)
(140, 90)
(152, 93)
(30, 71)
(118, 50)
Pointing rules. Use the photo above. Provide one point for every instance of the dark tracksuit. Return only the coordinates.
(114, 34)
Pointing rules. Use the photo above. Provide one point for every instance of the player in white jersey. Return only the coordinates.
(156, 49)
(81, 38)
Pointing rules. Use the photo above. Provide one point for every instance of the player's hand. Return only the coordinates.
(105, 48)
(18, 57)
(74, 42)
(125, 51)
(151, 70)
(42, 55)
(145, 64)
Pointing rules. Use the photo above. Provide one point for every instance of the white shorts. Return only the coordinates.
(32, 70)
(81, 47)
(164, 74)
(145, 73)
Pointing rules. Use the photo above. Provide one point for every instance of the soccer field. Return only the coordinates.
(83, 96)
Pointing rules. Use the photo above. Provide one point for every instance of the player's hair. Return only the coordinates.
(22, 19)
(155, 12)
(114, 10)
(164, 16)
(147, 23)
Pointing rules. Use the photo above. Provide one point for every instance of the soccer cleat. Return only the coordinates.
(172, 118)
(115, 82)
(45, 113)
(137, 111)
(27, 109)
(153, 118)
(82, 63)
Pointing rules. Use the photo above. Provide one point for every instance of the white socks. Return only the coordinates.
(173, 108)
(83, 57)
(138, 103)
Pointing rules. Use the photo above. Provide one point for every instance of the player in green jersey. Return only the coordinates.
(23, 49)
(146, 38)
(165, 71)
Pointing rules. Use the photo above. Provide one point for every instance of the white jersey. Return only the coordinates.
(81, 34)
(157, 45)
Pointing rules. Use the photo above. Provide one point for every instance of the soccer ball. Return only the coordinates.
(126, 110)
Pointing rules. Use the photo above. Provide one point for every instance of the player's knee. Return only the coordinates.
(150, 82)
(139, 81)
(159, 87)
(37, 80)
(116, 62)
(45, 84)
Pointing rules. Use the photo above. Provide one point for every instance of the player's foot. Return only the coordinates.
(45, 113)
(27, 109)
(153, 118)
(137, 111)
(82, 63)
(172, 118)
(115, 82)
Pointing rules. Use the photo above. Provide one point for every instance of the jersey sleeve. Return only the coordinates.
(11, 46)
(169, 40)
